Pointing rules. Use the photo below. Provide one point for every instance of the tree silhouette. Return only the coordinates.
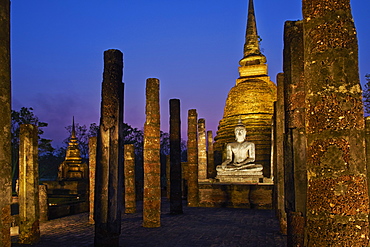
(366, 95)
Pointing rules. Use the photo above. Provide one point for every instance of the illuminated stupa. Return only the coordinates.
(72, 167)
(251, 99)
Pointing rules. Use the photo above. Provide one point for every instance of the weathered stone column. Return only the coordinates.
(184, 172)
(92, 171)
(211, 169)
(29, 210)
(175, 158)
(168, 177)
(367, 141)
(202, 150)
(193, 192)
(43, 203)
(152, 165)
(5, 120)
(109, 154)
(279, 125)
(295, 132)
(130, 193)
(337, 206)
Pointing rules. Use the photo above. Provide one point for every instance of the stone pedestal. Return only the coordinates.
(236, 195)
(240, 176)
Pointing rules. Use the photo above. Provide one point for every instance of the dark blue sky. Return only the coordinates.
(192, 46)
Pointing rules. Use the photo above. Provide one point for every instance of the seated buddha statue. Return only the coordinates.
(240, 155)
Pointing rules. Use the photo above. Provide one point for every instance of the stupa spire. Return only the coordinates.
(251, 45)
(73, 134)
(252, 52)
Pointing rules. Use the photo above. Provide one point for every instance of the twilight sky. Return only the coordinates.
(192, 46)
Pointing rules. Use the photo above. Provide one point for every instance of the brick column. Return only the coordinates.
(193, 192)
(337, 206)
(5, 120)
(168, 177)
(152, 165)
(211, 169)
(202, 150)
(43, 203)
(109, 154)
(367, 140)
(130, 193)
(175, 158)
(29, 210)
(92, 171)
(279, 125)
(295, 133)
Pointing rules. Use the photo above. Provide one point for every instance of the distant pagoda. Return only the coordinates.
(72, 167)
(251, 99)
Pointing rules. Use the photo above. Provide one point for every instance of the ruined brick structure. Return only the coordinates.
(251, 100)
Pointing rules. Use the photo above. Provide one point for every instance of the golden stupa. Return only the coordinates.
(251, 100)
(72, 167)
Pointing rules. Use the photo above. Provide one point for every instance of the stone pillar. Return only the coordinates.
(295, 133)
(5, 120)
(367, 140)
(337, 206)
(92, 171)
(202, 150)
(109, 154)
(175, 158)
(279, 125)
(152, 164)
(130, 193)
(192, 171)
(211, 168)
(184, 172)
(168, 177)
(29, 210)
(43, 203)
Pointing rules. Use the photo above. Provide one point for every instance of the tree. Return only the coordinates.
(366, 95)
(26, 116)
(133, 136)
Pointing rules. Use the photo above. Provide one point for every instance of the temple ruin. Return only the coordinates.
(300, 148)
